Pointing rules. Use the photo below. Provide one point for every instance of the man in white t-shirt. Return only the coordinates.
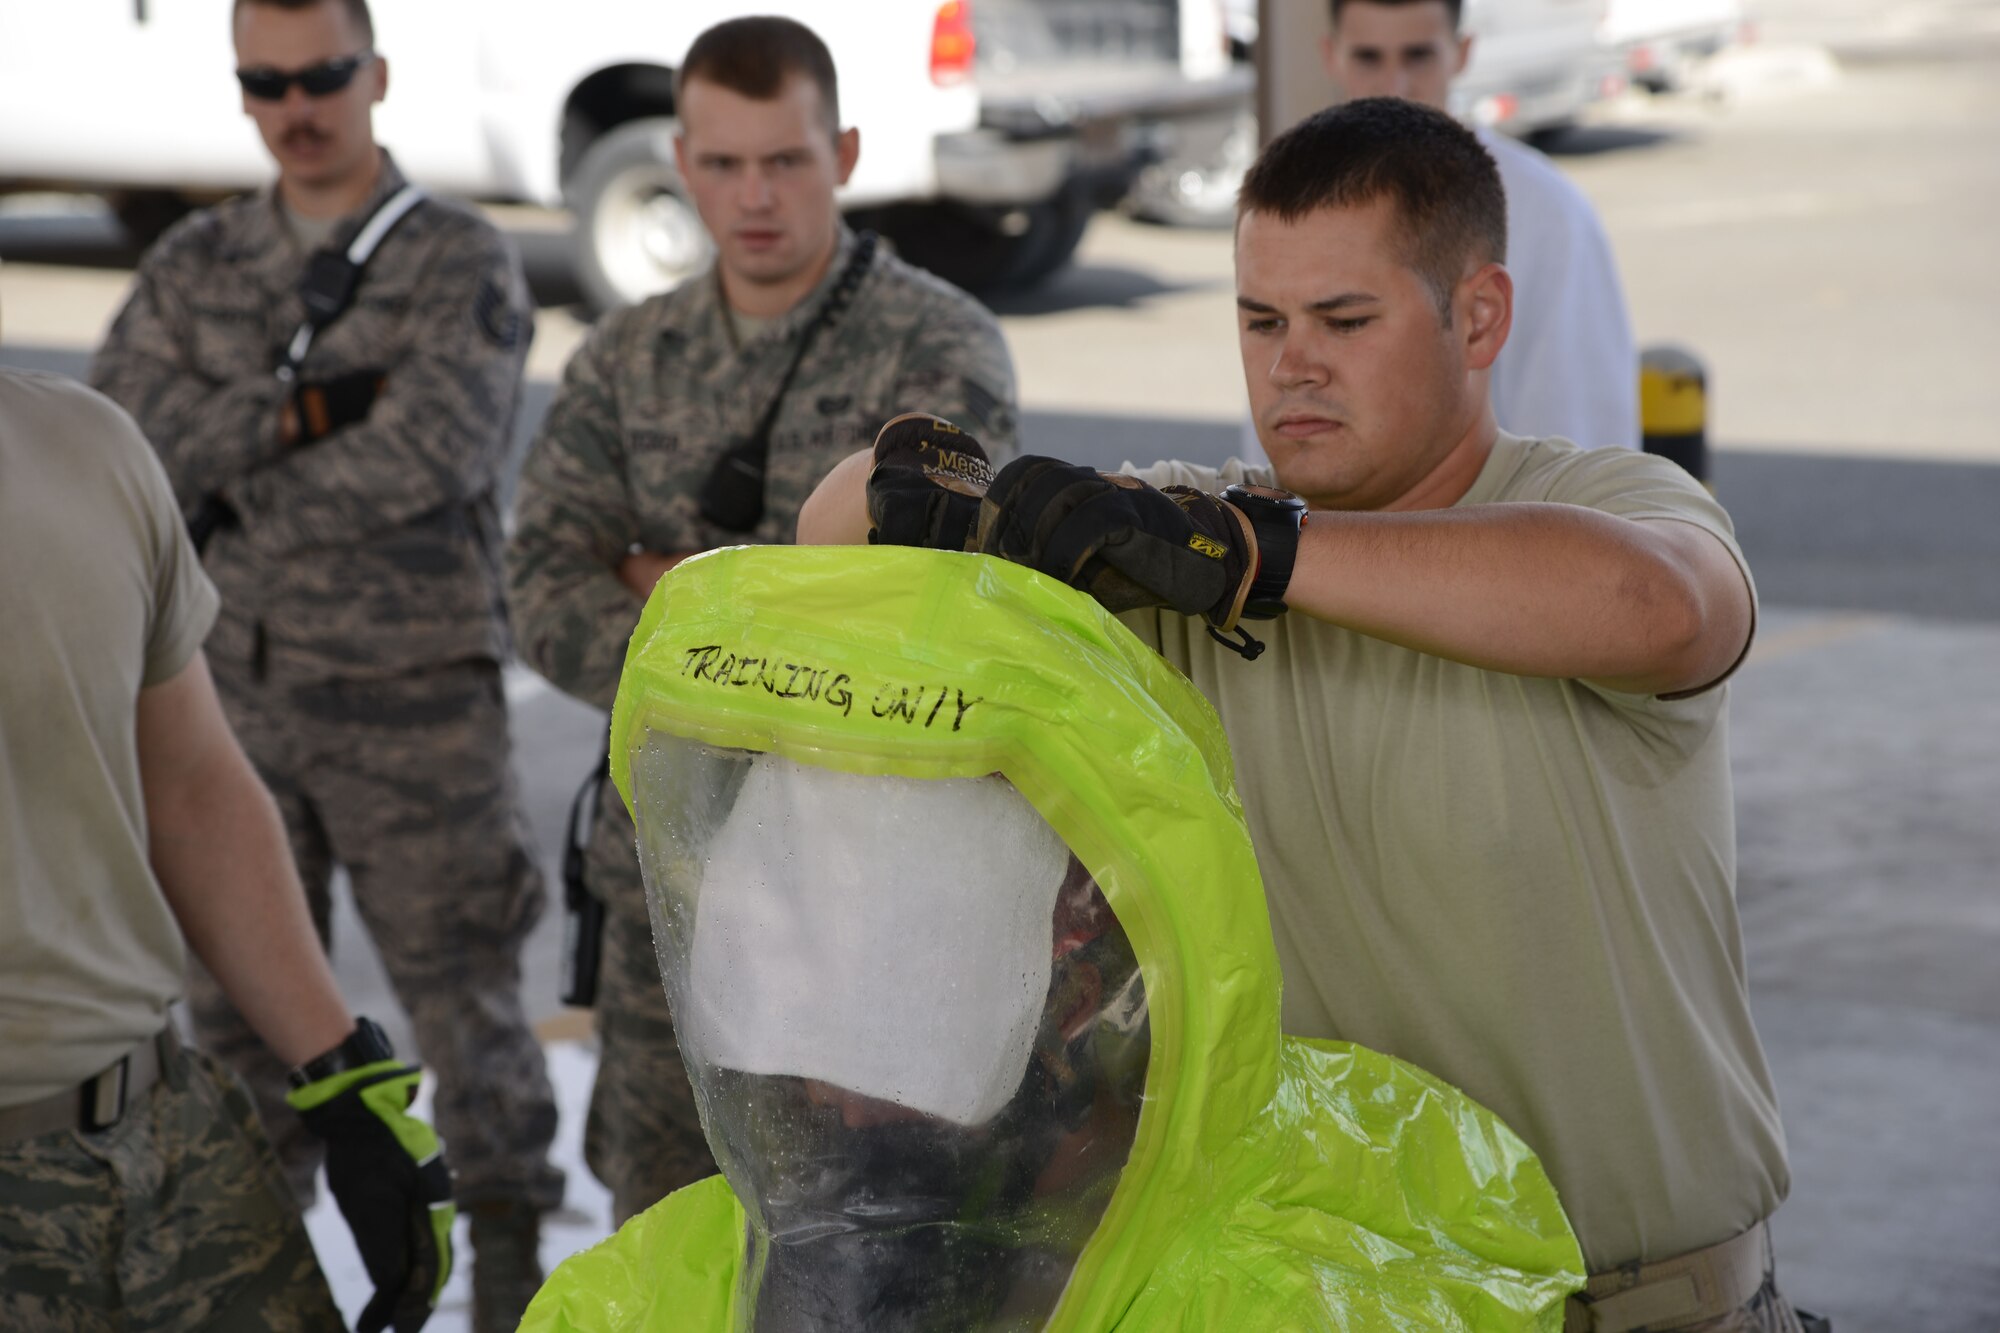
(1570, 368)
(1484, 758)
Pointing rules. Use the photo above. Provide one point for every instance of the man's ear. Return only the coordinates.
(1326, 53)
(1485, 313)
(381, 79)
(1464, 56)
(681, 155)
(847, 152)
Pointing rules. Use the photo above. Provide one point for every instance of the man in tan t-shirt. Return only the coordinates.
(140, 1189)
(1484, 758)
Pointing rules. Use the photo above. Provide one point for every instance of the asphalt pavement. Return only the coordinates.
(1821, 231)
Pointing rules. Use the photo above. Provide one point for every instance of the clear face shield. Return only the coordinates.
(917, 1033)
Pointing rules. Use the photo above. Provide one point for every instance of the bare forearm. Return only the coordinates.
(836, 513)
(222, 859)
(1532, 589)
(640, 570)
(219, 851)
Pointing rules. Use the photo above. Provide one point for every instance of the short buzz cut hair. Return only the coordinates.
(1456, 8)
(357, 11)
(1450, 207)
(754, 56)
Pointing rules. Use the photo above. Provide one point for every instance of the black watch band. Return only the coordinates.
(368, 1044)
(1276, 517)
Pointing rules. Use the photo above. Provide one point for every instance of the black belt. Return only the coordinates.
(97, 1103)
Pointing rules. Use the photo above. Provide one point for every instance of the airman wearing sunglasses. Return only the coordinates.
(354, 537)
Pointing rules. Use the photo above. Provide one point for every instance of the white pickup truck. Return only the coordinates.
(1536, 64)
(991, 129)
(1660, 43)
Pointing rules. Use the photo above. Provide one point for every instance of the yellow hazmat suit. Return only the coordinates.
(1271, 1183)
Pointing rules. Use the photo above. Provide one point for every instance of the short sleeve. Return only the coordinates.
(1644, 487)
(184, 601)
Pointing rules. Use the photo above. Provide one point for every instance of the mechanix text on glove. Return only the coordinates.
(925, 487)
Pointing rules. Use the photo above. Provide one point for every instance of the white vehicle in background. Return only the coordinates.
(991, 129)
(1536, 64)
(1657, 43)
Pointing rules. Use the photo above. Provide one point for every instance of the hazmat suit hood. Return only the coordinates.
(1259, 1181)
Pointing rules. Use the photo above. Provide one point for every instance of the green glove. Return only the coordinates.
(387, 1173)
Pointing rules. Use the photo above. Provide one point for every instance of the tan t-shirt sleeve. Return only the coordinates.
(1647, 488)
(1640, 486)
(184, 601)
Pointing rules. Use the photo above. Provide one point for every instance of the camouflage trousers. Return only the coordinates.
(406, 783)
(643, 1138)
(177, 1217)
(1766, 1312)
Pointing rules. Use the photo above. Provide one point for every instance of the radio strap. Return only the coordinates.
(732, 498)
(333, 275)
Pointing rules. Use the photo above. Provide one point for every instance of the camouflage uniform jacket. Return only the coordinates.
(660, 389)
(374, 550)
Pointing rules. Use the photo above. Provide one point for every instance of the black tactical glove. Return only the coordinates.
(1125, 543)
(925, 486)
(387, 1173)
(324, 406)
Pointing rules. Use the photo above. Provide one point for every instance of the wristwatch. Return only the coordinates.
(368, 1044)
(1276, 518)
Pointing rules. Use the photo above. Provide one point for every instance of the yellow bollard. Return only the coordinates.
(1673, 408)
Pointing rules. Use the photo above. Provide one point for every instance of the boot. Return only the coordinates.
(506, 1262)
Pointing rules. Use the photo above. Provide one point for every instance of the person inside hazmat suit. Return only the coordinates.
(974, 982)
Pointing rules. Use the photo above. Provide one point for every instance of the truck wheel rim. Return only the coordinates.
(647, 238)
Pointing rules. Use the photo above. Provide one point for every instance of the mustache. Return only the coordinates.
(302, 135)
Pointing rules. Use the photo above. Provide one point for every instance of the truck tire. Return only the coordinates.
(975, 249)
(1195, 184)
(637, 232)
(145, 215)
(1055, 229)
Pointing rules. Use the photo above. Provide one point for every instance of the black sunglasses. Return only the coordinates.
(270, 85)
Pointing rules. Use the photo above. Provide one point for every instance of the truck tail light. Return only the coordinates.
(952, 43)
(1497, 109)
